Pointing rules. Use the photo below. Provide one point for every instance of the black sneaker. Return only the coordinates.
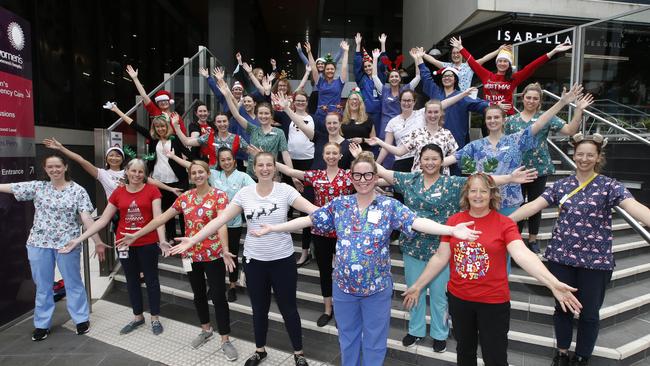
(232, 294)
(410, 340)
(255, 359)
(579, 361)
(40, 334)
(300, 359)
(439, 346)
(561, 359)
(323, 319)
(83, 328)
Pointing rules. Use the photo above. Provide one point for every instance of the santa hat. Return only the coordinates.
(505, 54)
(366, 56)
(444, 70)
(162, 95)
(320, 59)
(237, 84)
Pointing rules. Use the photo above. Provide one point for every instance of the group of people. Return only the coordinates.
(456, 204)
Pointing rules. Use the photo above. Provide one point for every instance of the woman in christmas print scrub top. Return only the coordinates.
(363, 285)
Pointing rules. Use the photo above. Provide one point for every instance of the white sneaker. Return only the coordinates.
(202, 338)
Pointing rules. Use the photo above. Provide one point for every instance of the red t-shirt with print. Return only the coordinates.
(198, 211)
(478, 269)
(136, 211)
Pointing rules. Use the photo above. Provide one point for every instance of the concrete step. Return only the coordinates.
(625, 339)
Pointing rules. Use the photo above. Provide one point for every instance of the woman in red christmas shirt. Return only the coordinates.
(478, 293)
(209, 258)
(138, 203)
(328, 184)
(498, 88)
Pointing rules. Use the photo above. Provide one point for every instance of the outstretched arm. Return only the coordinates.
(228, 214)
(416, 80)
(293, 225)
(492, 54)
(315, 76)
(529, 209)
(106, 217)
(301, 55)
(389, 141)
(582, 103)
(129, 238)
(52, 143)
(345, 47)
(291, 172)
(446, 103)
(187, 141)
(282, 101)
(531, 264)
(439, 261)
(305, 77)
(567, 97)
(397, 151)
(133, 73)
(234, 109)
(249, 70)
(637, 210)
(432, 60)
(375, 78)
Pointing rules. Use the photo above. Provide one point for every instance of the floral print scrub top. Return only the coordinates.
(481, 156)
(539, 156)
(362, 262)
(422, 136)
(56, 212)
(326, 190)
(582, 234)
(437, 203)
(198, 211)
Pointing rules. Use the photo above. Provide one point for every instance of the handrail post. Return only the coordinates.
(187, 86)
(86, 259)
(202, 65)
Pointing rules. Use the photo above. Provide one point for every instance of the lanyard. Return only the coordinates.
(578, 189)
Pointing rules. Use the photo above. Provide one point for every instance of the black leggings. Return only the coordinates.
(402, 165)
(591, 285)
(142, 259)
(234, 237)
(281, 276)
(530, 192)
(167, 201)
(215, 271)
(324, 249)
(477, 321)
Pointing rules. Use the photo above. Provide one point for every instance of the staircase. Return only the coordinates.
(624, 338)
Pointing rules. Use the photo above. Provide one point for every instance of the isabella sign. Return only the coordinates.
(16, 162)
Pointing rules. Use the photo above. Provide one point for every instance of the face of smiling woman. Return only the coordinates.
(264, 168)
(363, 170)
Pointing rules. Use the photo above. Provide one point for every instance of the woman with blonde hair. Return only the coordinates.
(356, 124)
(478, 293)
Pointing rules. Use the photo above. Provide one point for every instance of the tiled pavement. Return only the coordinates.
(104, 346)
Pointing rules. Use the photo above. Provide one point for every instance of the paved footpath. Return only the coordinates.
(103, 345)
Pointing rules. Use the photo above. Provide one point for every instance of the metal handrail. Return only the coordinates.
(160, 86)
(623, 105)
(189, 109)
(601, 119)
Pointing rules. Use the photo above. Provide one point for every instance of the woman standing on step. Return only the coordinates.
(478, 293)
(580, 250)
(328, 184)
(363, 285)
(539, 156)
(58, 204)
(138, 202)
(435, 196)
(269, 263)
(209, 258)
(230, 180)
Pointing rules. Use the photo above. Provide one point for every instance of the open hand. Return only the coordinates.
(133, 73)
(463, 232)
(411, 297)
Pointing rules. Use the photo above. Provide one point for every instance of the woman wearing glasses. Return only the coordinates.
(363, 285)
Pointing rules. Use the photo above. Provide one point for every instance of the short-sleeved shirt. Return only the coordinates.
(198, 211)
(437, 203)
(582, 234)
(271, 209)
(110, 179)
(326, 190)
(481, 156)
(329, 96)
(274, 142)
(478, 269)
(400, 128)
(465, 74)
(231, 184)
(136, 211)
(422, 137)
(539, 156)
(299, 145)
(362, 262)
(55, 212)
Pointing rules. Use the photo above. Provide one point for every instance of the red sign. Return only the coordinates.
(16, 106)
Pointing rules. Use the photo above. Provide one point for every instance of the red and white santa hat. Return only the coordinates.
(237, 84)
(444, 70)
(162, 95)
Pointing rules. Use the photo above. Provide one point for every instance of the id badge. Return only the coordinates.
(374, 216)
(187, 265)
(123, 253)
